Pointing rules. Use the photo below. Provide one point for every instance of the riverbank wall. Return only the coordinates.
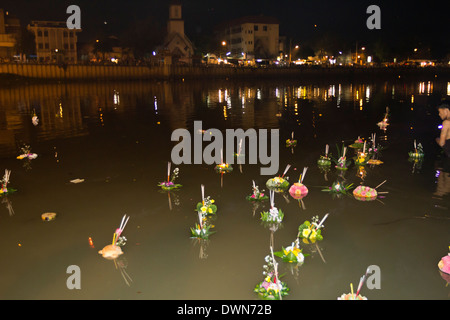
(169, 72)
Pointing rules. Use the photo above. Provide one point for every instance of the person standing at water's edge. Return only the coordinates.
(444, 138)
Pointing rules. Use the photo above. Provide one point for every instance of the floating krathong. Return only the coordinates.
(311, 231)
(325, 160)
(223, 167)
(298, 190)
(375, 162)
(202, 230)
(48, 216)
(358, 144)
(374, 150)
(170, 183)
(34, 118)
(26, 153)
(384, 123)
(274, 215)
(362, 156)
(291, 142)
(279, 184)
(417, 154)
(339, 188)
(272, 288)
(355, 296)
(291, 254)
(341, 162)
(4, 190)
(364, 193)
(207, 206)
(114, 250)
(256, 195)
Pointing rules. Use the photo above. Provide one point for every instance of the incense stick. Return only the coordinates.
(303, 174)
(286, 170)
(323, 220)
(326, 150)
(380, 184)
(275, 268)
(168, 171)
(272, 200)
(203, 194)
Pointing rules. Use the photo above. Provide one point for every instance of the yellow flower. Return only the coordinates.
(267, 279)
(212, 200)
(306, 233)
(210, 210)
(203, 209)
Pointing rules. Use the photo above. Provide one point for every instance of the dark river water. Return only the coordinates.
(117, 137)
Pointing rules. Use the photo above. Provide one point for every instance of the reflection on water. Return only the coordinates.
(116, 136)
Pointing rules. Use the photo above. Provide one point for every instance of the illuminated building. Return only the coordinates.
(9, 30)
(252, 37)
(54, 41)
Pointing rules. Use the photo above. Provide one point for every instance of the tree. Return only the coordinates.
(25, 42)
(143, 36)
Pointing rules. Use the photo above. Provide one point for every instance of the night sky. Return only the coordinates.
(424, 21)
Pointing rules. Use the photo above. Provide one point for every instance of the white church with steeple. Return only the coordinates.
(176, 42)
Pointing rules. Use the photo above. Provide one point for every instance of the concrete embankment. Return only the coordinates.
(168, 72)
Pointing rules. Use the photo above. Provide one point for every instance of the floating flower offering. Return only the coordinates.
(114, 250)
(324, 160)
(279, 184)
(291, 254)
(358, 144)
(48, 216)
(384, 123)
(26, 153)
(351, 296)
(291, 142)
(257, 195)
(272, 288)
(364, 193)
(223, 167)
(339, 188)
(274, 215)
(374, 161)
(311, 231)
(4, 184)
(202, 230)
(298, 190)
(170, 183)
(417, 154)
(341, 162)
(354, 296)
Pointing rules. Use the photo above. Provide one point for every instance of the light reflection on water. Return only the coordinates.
(116, 136)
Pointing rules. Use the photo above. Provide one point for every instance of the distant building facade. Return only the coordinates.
(9, 32)
(176, 41)
(252, 37)
(54, 41)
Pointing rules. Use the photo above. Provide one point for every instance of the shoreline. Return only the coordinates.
(18, 74)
